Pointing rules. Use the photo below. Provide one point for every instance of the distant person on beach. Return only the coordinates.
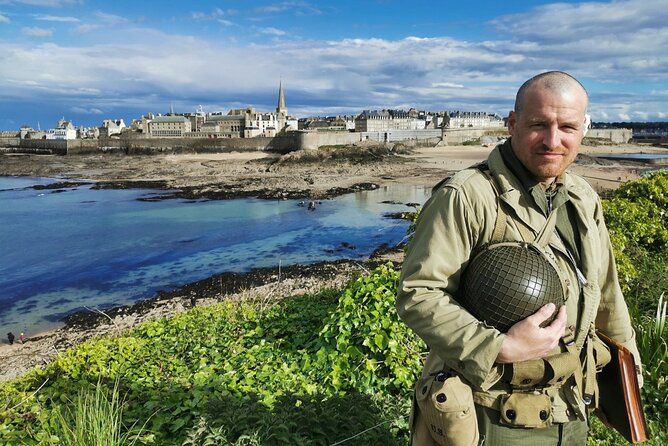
(22, 338)
(10, 337)
(532, 382)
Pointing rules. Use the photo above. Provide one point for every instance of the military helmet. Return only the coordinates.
(506, 282)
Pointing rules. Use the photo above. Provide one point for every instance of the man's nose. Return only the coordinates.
(551, 138)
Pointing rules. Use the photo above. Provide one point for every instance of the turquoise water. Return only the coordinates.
(644, 156)
(61, 251)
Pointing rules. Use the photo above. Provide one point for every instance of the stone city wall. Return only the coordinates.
(283, 143)
(280, 144)
(618, 136)
(313, 140)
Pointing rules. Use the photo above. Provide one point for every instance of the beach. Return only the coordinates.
(307, 175)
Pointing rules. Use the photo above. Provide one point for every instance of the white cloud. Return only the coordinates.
(4, 19)
(87, 111)
(142, 67)
(272, 31)
(215, 14)
(297, 7)
(110, 19)
(54, 18)
(36, 32)
(446, 85)
(86, 28)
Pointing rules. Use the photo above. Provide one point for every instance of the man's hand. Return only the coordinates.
(527, 340)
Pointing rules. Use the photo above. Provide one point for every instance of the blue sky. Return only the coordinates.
(91, 60)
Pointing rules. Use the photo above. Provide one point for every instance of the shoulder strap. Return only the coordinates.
(501, 216)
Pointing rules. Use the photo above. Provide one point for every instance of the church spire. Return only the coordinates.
(281, 100)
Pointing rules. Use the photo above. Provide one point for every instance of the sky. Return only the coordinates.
(89, 60)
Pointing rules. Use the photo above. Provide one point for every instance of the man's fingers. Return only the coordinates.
(543, 313)
(559, 323)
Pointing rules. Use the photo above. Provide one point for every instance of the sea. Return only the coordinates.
(77, 248)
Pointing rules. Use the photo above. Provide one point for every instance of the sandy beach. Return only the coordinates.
(264, 175)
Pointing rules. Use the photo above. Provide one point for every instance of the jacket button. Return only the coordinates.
(510, 414)
(543, 415)
(441, 398)
(526, 381)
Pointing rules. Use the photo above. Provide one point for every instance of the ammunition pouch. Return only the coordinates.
(446, 407)
(545, 372)
(526, 410)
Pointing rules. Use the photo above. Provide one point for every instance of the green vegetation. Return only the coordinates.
(311, 369)
(472, 142)
(357, 154)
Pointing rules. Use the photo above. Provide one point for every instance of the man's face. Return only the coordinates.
(547, 133)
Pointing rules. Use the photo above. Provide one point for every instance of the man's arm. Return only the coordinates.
(613, 317)
(446, 232)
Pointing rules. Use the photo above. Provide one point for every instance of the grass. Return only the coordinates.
(94, 418)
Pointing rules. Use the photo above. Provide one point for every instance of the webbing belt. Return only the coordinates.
(555, 370)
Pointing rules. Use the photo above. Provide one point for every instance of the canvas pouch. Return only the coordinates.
(446, 406)
(532, 410)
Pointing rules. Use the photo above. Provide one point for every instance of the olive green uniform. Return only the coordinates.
(458, 219)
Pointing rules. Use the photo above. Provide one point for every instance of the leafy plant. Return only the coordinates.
(370, 348)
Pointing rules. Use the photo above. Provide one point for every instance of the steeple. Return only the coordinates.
(281, 109)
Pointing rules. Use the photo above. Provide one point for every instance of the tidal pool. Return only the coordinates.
(65, 249)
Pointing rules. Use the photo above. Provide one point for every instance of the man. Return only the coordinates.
(531, 385)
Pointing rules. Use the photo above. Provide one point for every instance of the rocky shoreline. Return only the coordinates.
(259, 283)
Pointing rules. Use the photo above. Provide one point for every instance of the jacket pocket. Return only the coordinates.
(601, 353)
(446, 404)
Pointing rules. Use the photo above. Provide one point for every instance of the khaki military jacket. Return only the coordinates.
(458, 219)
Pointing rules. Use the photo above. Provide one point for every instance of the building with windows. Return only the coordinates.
(460, 119)
(169, 126)
(222, 126)
(64, 130)
(383, 120)
(113, 126)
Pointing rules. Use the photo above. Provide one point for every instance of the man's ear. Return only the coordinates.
(512, 120)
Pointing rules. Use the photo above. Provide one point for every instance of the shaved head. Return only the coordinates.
(556, 82)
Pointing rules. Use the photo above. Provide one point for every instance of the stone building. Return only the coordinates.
(327, 123)
(113, 126)
(222, 126)
(169, 126)
(460, 119)
(64, 130)
(383, 120)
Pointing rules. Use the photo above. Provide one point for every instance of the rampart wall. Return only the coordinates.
(618, 136)
(283, 143)
(280, 144)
